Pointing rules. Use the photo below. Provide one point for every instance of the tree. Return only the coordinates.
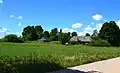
(54, 34)
(87, 34)
(39, 31)
(60, 35)
(74, 34)
(46, 34)
(95, 34)
(27, 33)
(110, 32)
(60, 30)
(32, 33)
(13, 38)
(65, 37)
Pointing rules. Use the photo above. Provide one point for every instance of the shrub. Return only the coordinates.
(28, 64)
(99, 42)
(1, 40)
(12, 38)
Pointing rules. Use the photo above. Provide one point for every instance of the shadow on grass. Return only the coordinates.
(27, 65)
(46, 67)
(34, 64)
(74, 71)
(38, 67)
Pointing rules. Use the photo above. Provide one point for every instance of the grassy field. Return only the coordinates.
(66, 56)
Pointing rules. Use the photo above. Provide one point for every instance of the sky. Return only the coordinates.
(81, 16)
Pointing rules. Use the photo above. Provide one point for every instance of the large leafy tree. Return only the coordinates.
(87, 34)
(110, 32)
(32, 32)
(27, 33)
(39, 30)
(60, 35)
(65, 37)
(95, 34)
(54, 34)
(46, 34)
(74, 34)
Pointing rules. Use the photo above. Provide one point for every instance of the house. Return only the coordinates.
(80, 39)
(44, 39)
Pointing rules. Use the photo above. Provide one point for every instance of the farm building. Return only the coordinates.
(44, 39)
(80, 39)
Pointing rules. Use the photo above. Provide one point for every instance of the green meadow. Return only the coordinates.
(64, 55)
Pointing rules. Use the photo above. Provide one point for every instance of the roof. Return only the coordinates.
(81, 38)
(44, 39)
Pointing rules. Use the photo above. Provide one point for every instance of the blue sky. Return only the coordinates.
(81, 16)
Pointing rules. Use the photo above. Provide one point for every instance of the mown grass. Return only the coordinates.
(52, 56)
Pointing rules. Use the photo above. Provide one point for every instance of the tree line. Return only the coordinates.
(109, 33)
(33, 33)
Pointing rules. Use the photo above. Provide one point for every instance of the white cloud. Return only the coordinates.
(1, 1)
(92, 23)
(88, 28)
(77, 25)
(98, 26)
(118, 23)
(11, 16)
(2, 29)
(19, 24)
(16, 17)
(68, 30)
(20, 17)
(97, 17)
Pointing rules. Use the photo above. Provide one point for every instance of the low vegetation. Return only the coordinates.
(34, 57)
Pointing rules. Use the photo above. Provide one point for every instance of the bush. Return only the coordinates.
(1, 40)
(13, 38)
(99, 42)
(28, 64)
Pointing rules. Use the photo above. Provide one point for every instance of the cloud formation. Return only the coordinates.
(11, 16)
(118, 23)
(16, 17)
(20, 17)
(2, 29)
(68, 30)
(3, 32)
(77, 25)
(97, 17)
(19, 24)
(1, 1)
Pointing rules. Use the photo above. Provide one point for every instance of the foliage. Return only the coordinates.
(54, 34)
(87, 34)
(110, 32)
(13, 38)
(99, 42)
(39, 30)
(46, 34)
(28, 64)
(1, 40)
(31, 33)
(65, 37)
(95, 34)
(74, 34)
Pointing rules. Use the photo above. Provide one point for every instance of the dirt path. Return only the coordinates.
(106, 66)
